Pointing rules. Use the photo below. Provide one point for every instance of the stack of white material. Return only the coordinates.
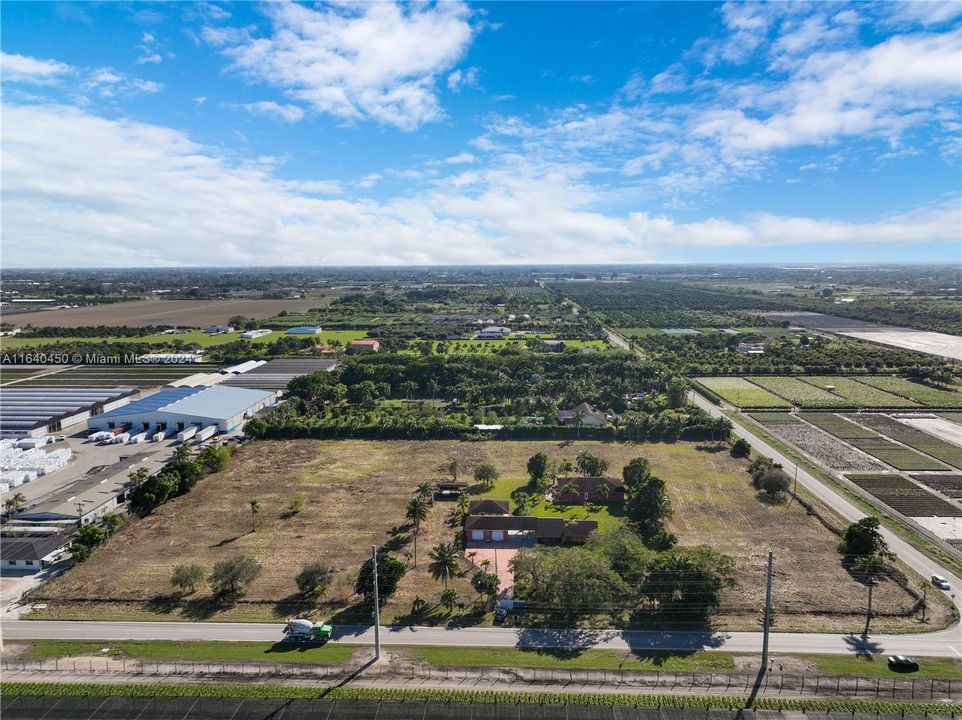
(35, 462)
(120, 439)
(34, 442)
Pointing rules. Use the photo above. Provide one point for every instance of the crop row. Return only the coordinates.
(904, 496)
(860, 394)
(12, 689)
(924, 394)
(915, 438)
(945, 483)
(741, 393)
(838, 426)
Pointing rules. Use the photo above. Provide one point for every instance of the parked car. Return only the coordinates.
(903, 663)
(940, 582)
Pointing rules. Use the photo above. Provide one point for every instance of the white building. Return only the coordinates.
(305, 330)
(180, 408)
(494, 332)
(219, 329)
(252, 334)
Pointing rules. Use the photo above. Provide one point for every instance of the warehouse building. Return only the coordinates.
(254, 334)
(180, 408)
(276, 374)
(305, 330)
(37, 411)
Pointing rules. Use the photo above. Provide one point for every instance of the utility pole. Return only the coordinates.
(768, 614)
(924, 601)
(868, 614)
(377, 607)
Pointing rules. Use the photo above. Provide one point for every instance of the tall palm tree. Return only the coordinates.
(17, 501)
(570, 489)
(255, 506)
(417, 512)
(425, 490)
(583, 461)
(444, 562)
(464, 502)
(579, 419)
(602, 491)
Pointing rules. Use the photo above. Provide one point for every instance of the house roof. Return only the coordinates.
(545, 528)
(365, 342)
(586, 410)
(35, 549)
(489, 507)
(590, 484)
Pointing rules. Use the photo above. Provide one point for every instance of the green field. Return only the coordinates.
(905, 496)
(799, 393)
(474, 347)
(858, 393)
(838, 426)
(915, 438)
(955, 417)
(774, 418)
(932, 397)
(901, 458)
(741, 393)
(193, 338)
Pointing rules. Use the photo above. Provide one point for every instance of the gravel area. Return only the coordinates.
(828, 450)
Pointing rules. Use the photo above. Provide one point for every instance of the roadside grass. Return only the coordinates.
(934, 668)
(568, 659)
(195, 650)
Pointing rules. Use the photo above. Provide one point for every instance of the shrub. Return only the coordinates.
(186, 577)
(485, 474)
(390, 570)
(741, 448)
(774, 482)
(313, 579)
(232, 574)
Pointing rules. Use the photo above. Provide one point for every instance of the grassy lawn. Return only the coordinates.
(929, 667)
(604, 515)
(573, 659)
(194, 650)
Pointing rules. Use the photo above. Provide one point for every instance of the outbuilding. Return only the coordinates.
(305, 330)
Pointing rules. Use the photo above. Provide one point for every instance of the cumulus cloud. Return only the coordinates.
(84, 190)
(375, 61)
(24, 69)
(463, 78)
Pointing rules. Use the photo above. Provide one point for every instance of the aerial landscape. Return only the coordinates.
(481, 360)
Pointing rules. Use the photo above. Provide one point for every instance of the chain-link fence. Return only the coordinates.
(716, 683)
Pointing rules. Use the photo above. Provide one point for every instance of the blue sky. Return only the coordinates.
(191, 133)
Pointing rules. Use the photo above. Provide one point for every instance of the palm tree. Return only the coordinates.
(602, 491)
(464, 502)
(425, 490)
(583, 461)
(14, 503)
(433, 387)
(570, 489)
(417, 512)
(409, 387)
(444, 562)
(255, 506)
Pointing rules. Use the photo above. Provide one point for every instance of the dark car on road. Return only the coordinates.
(903, 663)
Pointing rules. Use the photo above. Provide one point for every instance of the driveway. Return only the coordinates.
(500, 556)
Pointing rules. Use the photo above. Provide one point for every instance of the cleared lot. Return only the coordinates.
(355, 495)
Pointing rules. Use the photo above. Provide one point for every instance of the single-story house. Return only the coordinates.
(489, 507)
(508, 528)
(555, 345)
(33, 553)
(750, 348)
(364, 345)
(586, 489)
(589, 414)
(493, 332)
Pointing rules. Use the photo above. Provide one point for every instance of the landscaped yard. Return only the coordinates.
(356, 492)
(741, 393)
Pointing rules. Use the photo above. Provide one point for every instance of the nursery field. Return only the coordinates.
(838, 426)
(821, 446)
(858, 393)
(929, 396)
(905, 497)
(801, 394)
(918, 439)
(141, 376)
(741, 393)
(901, 458)
(946, 483)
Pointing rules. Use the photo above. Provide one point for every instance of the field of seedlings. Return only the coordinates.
(946, 483)
(801, 394)
(914, 438)
(929, 396)
(741, 393)
(817, 444)
(838, 426)
(140, 376)
(905, 497)
(860, 394)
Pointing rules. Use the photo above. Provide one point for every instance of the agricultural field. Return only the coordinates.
(774, 418)
(179, 313)
(741, 393)
(823, 447)
(955, 417)
(799, 393)
(356, 491)
(482, 347)
(914, 438)
(838, 426)
(194, 338)
(948, 484)
(140, 376)
(859, 394)
(906, 497)
(899, 457)
(19, 373)
(929, 396)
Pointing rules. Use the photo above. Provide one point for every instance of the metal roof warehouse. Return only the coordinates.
(33, 411)
(225, 407)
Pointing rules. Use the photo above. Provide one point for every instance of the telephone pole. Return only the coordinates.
(924, 603)
(868, 614)
(768, 614)
(377, 607)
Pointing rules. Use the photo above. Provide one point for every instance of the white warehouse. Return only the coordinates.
(179, 408)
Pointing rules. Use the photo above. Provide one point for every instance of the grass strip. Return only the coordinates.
(477, 696)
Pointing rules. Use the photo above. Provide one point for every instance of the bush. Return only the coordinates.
(774, 482)
(864, 539)
(485, 474)
(232, 574)
(741, 448)
(295, 505)
(390, 570)
(537, 466)
(314, 579)
(186, 577)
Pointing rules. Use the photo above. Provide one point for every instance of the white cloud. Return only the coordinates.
(149, 56)
(463, 78)
(460, 159)
(269, 108)
(374, 60)
(200, 100)
(24, 69)
(83, 190)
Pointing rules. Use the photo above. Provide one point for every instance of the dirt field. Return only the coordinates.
(186, 313)
(357, 490)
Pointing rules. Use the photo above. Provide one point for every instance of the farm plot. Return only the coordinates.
(948, 484)
(801, 394)
(774, 418)
(928, 396)
(823, 447)
(906, 497)
(120, 375)
(859, 394)
(955, 417)
(741, 393)
(914, 438)
(838, 426)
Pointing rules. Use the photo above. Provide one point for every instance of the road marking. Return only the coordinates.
(955, 651)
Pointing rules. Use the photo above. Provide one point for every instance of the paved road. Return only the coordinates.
(617, 340)
(939, 644)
